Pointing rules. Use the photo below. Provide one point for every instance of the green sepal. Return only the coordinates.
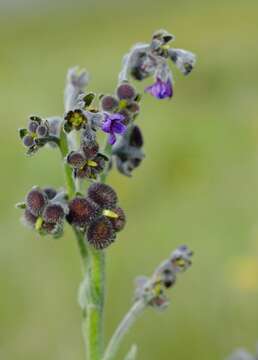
(138, 97)
(88, 99)
(21, 205)
(67, 127)
(78, 193)
(36, 118)
(23, 132)
(32, 150)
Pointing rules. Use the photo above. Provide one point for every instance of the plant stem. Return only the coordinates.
(93, 326)
(96, 294)
(123, 328)
(64, 148)
(93, 264)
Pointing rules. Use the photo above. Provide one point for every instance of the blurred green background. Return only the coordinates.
(198, 184)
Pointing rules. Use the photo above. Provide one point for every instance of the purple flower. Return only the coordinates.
(161, 89)
(113, 124)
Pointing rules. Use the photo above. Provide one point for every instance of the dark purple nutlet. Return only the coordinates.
(32, 126)
(50, 192)
(109, 103)
(103, 195)
(119, 222)
(81, 211)
(36, 201)
(53, 213)
(133, 107)
(126, 91)
(49, 228)
(29, 218)
(28, 141)
(100, 233)
(90, 150)
(76, 159)
(42, 130)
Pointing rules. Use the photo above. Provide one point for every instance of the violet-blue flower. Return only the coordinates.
(113, 124)
(161, 89)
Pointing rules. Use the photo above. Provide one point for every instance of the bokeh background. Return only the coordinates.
(198, 184)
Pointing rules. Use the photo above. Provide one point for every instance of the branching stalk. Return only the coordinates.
(123, 328)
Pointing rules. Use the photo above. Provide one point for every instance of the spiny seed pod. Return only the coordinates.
(53, 213)
(109, 103)
(100, 233)
(119, 221)
(29, 218)
(103, 195)
(36, 201)
(81, 211)
(126, 91)
(75, 159)
(50, 192)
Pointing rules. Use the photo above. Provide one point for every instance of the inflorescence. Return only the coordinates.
(152, 290)
(97, 214)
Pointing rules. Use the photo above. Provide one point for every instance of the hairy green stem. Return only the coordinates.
(93, 265)
(64, 148)
(96, 294)
(95, 290)
(123, 328)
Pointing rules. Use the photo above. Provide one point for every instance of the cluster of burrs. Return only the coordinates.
(86, 115)
(97, 215)
(151, 290)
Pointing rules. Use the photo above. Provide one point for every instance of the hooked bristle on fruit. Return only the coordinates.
(36, 201)
(53, 213)
(103, 195)
(100, 233)
(81, 211)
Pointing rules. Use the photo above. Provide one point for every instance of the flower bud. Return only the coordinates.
(100, 233)
(103, 195)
